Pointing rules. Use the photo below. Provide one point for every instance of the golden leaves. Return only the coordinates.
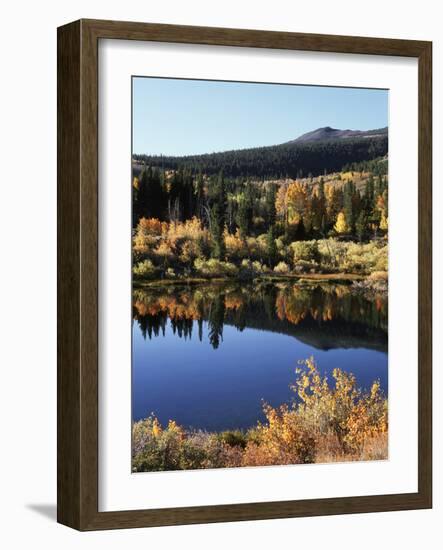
(340, 225)
(327, 422)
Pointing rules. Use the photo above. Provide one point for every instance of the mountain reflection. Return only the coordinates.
(325, 316)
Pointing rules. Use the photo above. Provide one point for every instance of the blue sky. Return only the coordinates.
(183, 117)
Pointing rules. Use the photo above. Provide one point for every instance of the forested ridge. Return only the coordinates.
(294, 159)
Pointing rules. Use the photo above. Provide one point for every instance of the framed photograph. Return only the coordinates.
(244, 275)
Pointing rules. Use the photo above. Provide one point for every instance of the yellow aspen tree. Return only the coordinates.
(297, 201)
(281, 203)
(334, 197)
(384, 222)
(340, 225)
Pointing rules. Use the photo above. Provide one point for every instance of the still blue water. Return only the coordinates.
(218, 378)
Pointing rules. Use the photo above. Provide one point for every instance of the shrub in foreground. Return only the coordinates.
(325, 423)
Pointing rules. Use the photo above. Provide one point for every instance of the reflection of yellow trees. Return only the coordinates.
(289, 302)
(186, 303)
(169, 304)
(326, 423)
(295, 303)
(234, 301)
(326, 314)
(290, 308)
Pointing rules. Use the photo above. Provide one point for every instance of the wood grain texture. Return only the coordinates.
(68, 275)
(254, 38)
(78, 272)
(425, 274)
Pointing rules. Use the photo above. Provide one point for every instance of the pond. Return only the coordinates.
(209, 355)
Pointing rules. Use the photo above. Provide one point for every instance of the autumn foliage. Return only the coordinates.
(183, 250)
(326, 422)
(188, 224)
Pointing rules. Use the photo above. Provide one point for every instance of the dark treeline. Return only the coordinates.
(292, 160)
(378, 167)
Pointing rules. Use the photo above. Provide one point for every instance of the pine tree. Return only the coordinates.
(271, 247)
(323, 227)
(250, 200)
(348, 193)
(334, 202)
(215, 320)
(218, 250)
(271, 212)
(151, 198)
(300, 233)
(369, 195)
(135, 204)
(217, 218)
(318, 205)
(360, 225)
(199, 194)
(242, 217)
(156, 195)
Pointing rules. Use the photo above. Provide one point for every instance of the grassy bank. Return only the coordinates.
(325, 423)
(342, 278)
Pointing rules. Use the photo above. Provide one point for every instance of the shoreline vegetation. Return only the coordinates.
(162, 253)
(324, 423)
(191, 227)
(272, 277)
(377, 282)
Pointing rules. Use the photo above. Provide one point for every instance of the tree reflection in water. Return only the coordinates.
(325, 316)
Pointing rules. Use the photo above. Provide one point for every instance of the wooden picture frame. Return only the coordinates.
(78, 273)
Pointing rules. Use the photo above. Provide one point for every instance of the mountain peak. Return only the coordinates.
(327, 133)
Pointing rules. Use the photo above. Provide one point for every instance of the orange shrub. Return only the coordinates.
(327, 423)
